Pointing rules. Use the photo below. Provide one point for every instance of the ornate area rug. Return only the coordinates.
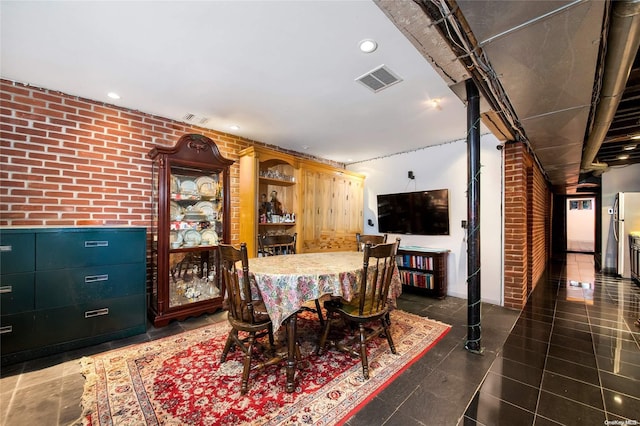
(179, 380)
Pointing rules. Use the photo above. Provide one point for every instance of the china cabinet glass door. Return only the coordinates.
(196, 226)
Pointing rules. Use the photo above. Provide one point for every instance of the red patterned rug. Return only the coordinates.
(179, 380)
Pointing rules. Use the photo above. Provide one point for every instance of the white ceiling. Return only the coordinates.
(284, 71)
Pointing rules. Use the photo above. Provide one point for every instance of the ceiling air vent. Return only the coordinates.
(379, 78)
(192, 118)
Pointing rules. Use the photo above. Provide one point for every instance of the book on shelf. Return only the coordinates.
(416, 279)
(413, 261)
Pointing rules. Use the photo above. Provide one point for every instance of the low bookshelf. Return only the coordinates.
(423, 269)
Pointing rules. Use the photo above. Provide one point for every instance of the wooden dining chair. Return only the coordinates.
(273, 245)
(362, 239)
(244, 315)
(370, 306)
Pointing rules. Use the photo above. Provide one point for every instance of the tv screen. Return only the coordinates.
(419, 213)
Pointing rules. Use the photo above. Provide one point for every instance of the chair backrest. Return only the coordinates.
(274, 245)
(238, 290)
(362, 239)
(378, 265)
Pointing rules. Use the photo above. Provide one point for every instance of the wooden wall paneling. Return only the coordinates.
(337, 199)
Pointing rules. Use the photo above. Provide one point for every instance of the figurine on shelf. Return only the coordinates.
(265, 206)
(265, 209)
(276, 205)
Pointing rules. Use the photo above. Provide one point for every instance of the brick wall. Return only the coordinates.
(539, 224)
(527, 223)
(515, 226)
(68, 161)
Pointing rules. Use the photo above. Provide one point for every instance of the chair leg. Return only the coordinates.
(325, 334)
(319, 310)
(387, 333)
(228, 344)
(247, 364)
(298, 353)
(271, 339)
(363, 351)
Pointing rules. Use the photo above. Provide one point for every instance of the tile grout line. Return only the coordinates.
(13, 395)
(589, 322)
(621, 322)
(561, 278)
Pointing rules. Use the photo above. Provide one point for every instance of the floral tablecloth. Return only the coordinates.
(287, 282)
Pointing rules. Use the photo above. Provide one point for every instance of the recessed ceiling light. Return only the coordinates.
(435, 103)
(636, 137)
(234, 127)
(113, 95)
(622, 157)
(630, 147)
(368, 45)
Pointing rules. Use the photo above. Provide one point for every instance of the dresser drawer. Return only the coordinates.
(63, 287)
(17, 332)
(58, 250)
(16, 293)
(90, 319)
(17, 252)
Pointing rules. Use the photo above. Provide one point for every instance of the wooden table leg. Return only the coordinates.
(292, 326)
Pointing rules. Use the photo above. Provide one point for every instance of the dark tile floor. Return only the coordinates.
(571, 356)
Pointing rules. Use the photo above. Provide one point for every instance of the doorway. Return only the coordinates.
(581, 224)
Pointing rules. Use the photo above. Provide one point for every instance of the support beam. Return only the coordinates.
(473, 343)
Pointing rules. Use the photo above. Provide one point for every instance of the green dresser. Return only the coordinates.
(63, 288)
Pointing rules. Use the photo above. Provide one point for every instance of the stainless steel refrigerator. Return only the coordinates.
(626, 216)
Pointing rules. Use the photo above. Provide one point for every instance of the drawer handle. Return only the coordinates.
(6, 248)
(96, 313)
(6, 329)
(96, 278)
(92, 244)
(6, 289)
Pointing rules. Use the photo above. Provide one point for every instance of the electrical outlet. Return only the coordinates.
(464, 224)
(610, 211)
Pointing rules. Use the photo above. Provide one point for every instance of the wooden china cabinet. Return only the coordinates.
(190, 216)
(269, 197)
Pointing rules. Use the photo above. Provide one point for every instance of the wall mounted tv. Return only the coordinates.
(419, 213)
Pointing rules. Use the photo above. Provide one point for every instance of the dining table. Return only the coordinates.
(287, 282)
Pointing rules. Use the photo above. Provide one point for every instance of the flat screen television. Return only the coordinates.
(418, 213)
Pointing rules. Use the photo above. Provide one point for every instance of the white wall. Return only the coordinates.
(614, 180)
(581, 225)
(445, 167)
